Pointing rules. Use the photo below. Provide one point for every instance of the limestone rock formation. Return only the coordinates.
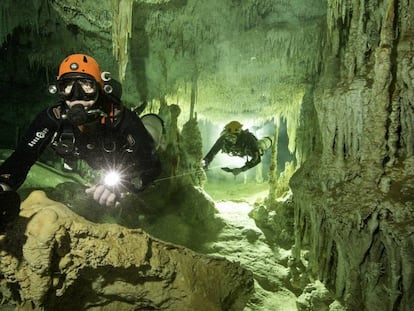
(54, 259)
(353, 195)
(340, 72)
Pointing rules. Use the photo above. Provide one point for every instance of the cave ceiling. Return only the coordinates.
(253, 58)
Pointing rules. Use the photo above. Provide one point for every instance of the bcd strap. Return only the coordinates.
(110, 117)
(64, 141)
(108, 142)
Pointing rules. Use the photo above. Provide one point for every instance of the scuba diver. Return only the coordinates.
(235, 141)
(89, 123)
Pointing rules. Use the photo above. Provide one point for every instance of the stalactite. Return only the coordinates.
(338, 10)
(15, 14)
(4, 23)
(378, 115)
(121, 32)
(286, 49)
(37, 4)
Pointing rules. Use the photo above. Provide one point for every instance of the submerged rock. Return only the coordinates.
(52, 258)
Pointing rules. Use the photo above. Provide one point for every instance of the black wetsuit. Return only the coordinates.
(118, 143)
(245, 146)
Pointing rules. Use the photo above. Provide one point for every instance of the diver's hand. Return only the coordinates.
(104, 195)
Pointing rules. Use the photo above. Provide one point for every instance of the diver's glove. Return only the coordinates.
(235, 171)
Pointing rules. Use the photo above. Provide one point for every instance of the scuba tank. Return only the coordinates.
(264, 144)
(155, 127)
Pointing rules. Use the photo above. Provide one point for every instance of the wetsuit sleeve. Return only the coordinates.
(14, 170)
(218, 145)
(252, 163)
(146, 163)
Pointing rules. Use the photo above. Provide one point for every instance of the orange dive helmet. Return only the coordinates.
(233, 127)
(81, 63)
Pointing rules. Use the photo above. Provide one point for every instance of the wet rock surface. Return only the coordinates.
(52, 255)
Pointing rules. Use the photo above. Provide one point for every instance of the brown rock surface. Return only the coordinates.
(53, 258)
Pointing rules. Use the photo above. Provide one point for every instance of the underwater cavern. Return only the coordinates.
(325, 221)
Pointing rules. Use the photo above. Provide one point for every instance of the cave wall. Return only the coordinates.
(244, 57)
(353, 194)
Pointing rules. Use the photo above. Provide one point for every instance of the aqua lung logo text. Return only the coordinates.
(39, 136)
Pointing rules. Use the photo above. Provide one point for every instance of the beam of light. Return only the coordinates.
(112, 178)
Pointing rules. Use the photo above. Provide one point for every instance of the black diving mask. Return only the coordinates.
(78, 89)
